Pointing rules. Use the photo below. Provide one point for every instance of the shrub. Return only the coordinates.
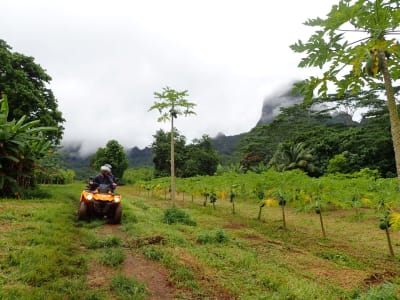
(218, 236)
(176, 215)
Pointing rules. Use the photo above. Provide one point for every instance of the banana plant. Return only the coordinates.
(21, 144)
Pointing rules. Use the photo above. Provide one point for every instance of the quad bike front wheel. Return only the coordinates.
(117, 215)
(83, 212)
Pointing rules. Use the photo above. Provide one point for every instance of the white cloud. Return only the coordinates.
(107, 58)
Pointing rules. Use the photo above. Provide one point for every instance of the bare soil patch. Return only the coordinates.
(234, 225)
(153, 275)
(205, 277)
(98, 275)
(380, 278)
(346, 278)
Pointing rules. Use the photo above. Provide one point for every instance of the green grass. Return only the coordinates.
(45, 253)
(128, 288)
(112, 257)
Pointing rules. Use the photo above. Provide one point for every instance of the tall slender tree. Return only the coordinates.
(356, 48)
(171, 104)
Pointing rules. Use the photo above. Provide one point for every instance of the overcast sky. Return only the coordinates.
(107, 58)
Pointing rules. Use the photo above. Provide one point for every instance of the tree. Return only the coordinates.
(290, 156)
(197, 158)
(161, 148)
(352, 64)
(26, 85)
(113, 154)
(171, 104)
(201, 158)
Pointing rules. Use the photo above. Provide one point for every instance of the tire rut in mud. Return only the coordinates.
(153, 275)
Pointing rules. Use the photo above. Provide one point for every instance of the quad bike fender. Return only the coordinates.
(90, 196)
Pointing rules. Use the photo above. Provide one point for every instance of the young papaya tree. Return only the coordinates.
(356, 48)
(316, 202)
(232, 196)
(385, 205)
(282, 204)
(171, 104)
(213, 198)
(260, 195)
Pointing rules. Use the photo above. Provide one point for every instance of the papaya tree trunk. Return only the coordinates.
(322, 224)
(233, 207)
(389, 242)
(172, 162)
(283, 216)
(205, 201)
(259, 213)
(393, 114)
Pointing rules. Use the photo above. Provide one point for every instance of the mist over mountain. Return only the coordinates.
(77, 158)
(226, 146)
(273, 103)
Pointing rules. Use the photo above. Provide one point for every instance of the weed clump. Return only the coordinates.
(386, 291)
(175, 215)
(108, 242)
(112, 257)
(128, 288)
(153, 253)
(218, 236)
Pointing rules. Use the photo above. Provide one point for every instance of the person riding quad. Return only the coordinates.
(103, 178)
(111, 174)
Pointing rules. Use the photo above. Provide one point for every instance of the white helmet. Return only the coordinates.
(108, 166)
(105, 169)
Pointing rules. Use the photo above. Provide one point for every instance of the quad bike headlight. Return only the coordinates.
(117, 199)
(89, 197)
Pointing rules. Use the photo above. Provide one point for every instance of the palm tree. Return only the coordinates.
(290, 156)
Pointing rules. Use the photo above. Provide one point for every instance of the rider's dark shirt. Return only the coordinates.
(103, 179)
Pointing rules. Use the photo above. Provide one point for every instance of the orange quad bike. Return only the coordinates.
(100, 201)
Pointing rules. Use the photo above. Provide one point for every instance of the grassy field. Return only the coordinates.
(45, 253)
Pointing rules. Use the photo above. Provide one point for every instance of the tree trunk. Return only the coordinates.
(322, 224)
(389, 242)
(393, 114)
(172, 162)
(259, 214)
(205, 201)
(283, 216)
(233, 207)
